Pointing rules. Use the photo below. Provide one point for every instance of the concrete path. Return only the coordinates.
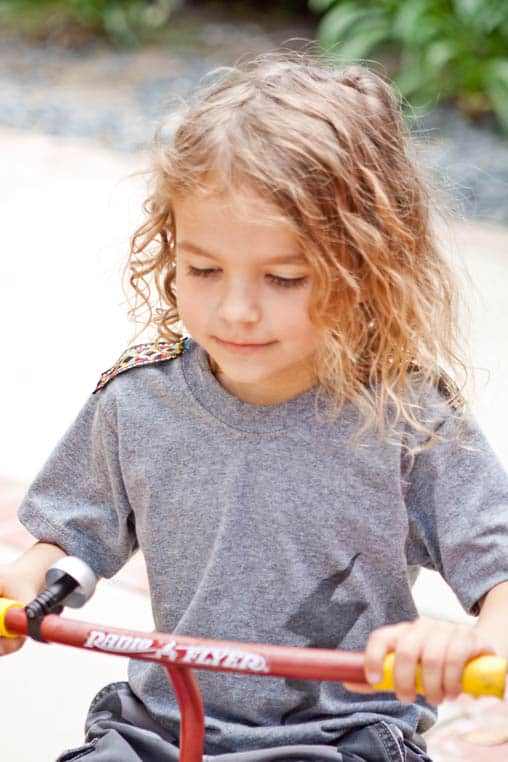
(68, 211)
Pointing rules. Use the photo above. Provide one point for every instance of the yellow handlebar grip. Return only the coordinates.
(485, 676)
(387, 683)
(5, 605)
(482, 676)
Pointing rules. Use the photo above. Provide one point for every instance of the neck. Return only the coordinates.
(272, 391)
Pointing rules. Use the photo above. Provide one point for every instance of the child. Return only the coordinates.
(286, 469)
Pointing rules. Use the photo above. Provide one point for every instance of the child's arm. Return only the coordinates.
(79, 499)
(24, 579)
(493, 618)
(442, 649)
(457, 501)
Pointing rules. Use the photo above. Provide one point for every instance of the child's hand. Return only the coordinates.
(17, 590)
(442, 649)
(23, 580)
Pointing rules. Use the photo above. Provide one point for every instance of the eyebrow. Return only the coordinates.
(279, 259)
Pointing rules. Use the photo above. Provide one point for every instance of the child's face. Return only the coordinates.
(243, 290)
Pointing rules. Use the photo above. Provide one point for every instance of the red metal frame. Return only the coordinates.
(179, 655)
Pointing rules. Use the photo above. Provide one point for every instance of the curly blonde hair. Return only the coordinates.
(328, 148)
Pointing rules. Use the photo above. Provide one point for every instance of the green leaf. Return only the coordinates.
(408, 19)
(368, 38)
(411, 79)
(319, 6)
(338, 21)
(467, 9)
(498, 70)
(482, 16)
(498, 93)
(116, 24)
(439, 54)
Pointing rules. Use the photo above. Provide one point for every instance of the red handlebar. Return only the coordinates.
(179, 655)
(484, 675)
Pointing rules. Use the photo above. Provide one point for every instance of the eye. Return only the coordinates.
(201, 272)
(277, 280)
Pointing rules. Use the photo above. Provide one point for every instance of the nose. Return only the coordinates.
(240, 303)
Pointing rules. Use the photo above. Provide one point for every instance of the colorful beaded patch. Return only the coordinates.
(445, 386)
(450, 390)
(143, 354)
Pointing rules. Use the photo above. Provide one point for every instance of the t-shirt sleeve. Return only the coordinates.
(78, 501)
(457, 499)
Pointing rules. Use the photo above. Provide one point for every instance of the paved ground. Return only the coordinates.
(69, 208)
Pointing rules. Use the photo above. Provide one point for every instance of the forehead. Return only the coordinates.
(222, 220)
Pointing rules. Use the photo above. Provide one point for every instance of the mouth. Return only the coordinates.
(243, 346)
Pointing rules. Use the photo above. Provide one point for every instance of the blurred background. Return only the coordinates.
(107, 70)
(83, 85)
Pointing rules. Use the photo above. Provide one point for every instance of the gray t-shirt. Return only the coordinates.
(268, 524)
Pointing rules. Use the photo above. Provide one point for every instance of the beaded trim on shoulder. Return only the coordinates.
(450, 390)
(446, 386)
(142, 354)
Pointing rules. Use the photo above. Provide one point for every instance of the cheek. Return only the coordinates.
(186, 296)
(297, 326)
(184, 303)
(295, 311)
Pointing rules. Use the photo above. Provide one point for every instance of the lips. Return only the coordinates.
(243, 344)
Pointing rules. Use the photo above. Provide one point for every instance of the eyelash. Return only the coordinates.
(275, 279)
(287, 282)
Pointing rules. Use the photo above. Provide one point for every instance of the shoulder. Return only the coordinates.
(150, 353)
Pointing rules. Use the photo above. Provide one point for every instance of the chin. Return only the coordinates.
(248, 377)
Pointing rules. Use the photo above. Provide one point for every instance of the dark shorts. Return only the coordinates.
(118, 729)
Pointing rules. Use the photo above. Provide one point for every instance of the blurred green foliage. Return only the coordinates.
(436, 49)
(123, 22)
